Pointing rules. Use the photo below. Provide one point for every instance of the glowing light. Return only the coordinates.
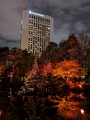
(82, 111)
(0, 112)
(83, 76)
(30, 12)
(49, 28)
(80, 86)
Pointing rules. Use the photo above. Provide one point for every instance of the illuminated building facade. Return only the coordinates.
(36, 32)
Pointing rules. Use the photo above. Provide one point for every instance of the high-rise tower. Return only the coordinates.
(36, 32)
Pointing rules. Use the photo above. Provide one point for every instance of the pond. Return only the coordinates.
(66, 106)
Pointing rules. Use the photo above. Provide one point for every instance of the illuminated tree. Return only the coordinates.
(68, 109)
(68, 69)
(2, 68)
(46, 68)
(69, 49)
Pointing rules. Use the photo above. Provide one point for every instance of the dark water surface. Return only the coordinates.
(66, 106)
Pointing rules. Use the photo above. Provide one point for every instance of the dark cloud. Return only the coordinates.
(9, 42)
(70, 16)
(80, 26)
(2, 38)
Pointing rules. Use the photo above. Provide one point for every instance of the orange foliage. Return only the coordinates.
(68, 109)
(1, 69)
(28, 73)
(46, 68)
(68, 69)
(73, 50)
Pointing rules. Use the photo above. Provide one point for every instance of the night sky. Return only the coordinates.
(70, 16)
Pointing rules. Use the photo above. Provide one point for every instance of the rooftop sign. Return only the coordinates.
(30, 12)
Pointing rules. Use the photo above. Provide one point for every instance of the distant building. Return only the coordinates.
(36, 32)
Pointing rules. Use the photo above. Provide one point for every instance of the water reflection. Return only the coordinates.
(69, 109)
(72, 106)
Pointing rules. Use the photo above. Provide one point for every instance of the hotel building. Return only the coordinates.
(36, 32)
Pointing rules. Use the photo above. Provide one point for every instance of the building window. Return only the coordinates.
(31, 46)
(28, 39)
(38, 39)
(29, 32)
(33, 42)
(40, 50)
(36, 24)
(29, 16)
(28, 48)
(32, 16)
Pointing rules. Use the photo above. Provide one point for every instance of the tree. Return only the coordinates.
(68, 109)
(84, 41)
(69, 49)
(45, 68)
(49, 53)
(2, 69)
(68, 69)
(22, 63)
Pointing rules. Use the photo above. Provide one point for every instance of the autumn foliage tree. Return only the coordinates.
(68, 69)
(46, 68)
(69, 49)
(2, 68)
(84, 41)
(68, 109)
(50, 53)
